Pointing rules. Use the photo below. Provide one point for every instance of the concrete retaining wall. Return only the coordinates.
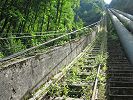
(20, 77)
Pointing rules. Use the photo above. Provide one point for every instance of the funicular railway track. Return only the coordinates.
(76, 79)
(80, 82)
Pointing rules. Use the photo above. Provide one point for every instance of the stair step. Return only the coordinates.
(125, 79)
(121, 91)
(120, 68)
(120, 74)
(118, 63)
(121, 87)
(120, 71)
(120, 97)
(120, 84)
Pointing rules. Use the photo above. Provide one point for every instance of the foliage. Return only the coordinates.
(30, 16)
(58, 90)
(101, 58)
(90, 11)
(37, 15)
(16, 45)
(1, 55)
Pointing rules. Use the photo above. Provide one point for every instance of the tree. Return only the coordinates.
(30, 16)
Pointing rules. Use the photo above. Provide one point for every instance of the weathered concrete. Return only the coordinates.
(20, 77)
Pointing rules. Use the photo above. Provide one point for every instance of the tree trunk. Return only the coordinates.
(49, 18)
(2, 8)
(60, 13)
(5, 23)
(57, 14)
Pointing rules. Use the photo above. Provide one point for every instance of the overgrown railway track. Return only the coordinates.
(81, 81)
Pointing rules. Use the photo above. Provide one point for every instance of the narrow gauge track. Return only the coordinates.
(120, 72)
(80, 82)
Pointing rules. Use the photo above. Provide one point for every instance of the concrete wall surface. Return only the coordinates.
(20, 77)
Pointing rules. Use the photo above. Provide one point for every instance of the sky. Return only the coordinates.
(108, 1)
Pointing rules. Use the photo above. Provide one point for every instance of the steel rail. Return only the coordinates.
(95, 84)
(124, 20)
(40, 94)
(35, 47)
(125, 36)
(61, 74)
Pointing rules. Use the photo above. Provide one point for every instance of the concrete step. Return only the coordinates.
(121, 90)
(120, 84)
(123, 79)
(120, 75)
(120, 97)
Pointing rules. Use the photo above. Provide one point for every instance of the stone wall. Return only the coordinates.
(22, 76)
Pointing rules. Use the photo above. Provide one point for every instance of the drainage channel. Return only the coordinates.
(120, 73)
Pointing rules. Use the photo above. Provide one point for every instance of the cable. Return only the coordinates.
(31, 32)
(52, 40)
(30, 36)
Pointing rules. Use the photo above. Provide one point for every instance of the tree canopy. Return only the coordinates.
(30, 16)
(90, 11)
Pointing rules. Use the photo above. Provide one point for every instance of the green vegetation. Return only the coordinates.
(33, 16)
(90, 11)
(79, 80)
(73, 83)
